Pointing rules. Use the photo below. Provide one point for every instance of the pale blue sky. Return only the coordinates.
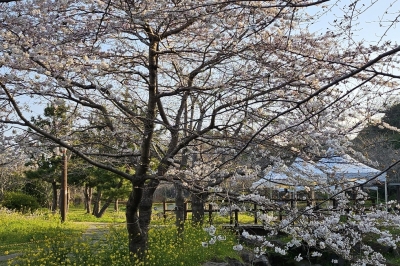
(370, 25)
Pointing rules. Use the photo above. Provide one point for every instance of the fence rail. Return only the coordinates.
(279, 212)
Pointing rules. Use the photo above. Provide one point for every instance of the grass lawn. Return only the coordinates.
(18, 231)
(78, 214)
(43, 240)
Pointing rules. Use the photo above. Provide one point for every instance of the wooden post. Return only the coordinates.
(64, 187)
(116, 205)
(236, 218)
(210, 208)
(334, 203)
(164, 205)
(398, 193)
(312, 196)
(185, 208)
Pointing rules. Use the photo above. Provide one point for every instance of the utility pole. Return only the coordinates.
(64, 186)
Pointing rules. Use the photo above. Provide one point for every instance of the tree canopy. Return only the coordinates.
(179, 91)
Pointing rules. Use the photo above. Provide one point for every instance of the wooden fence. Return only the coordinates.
(279, 212)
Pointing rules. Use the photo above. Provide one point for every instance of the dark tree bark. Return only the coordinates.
(103, 209)
(108, 202)
(138, 216)
(88, 194)
(198, 201)
(398, 194)
(141, 198)
(97, 202)
(54, 203)
(179, 209)
(146, 205)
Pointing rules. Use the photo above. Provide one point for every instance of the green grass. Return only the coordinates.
(165, 248)
(78, 214)
(43, 240)
(243, 218)
(18, 232)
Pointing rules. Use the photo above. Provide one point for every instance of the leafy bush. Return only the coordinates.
(20, 202)
(37, 189)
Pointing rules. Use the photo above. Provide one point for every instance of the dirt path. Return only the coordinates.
(5, 258)
(96, 231)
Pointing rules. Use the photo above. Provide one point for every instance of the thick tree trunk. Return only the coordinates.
(88, 198)
(179, 208)
(198, 201)
(54, 203)
(138, 216)
(139, 205)
(137, 241)
(97, 202)
(146, 206)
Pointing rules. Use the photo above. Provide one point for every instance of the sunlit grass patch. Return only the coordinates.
(243, 218)
(78, 214)
(171, 249)
(166, 247)
(19, 231)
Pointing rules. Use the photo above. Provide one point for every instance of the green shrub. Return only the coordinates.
(20, 202)
(38, 190)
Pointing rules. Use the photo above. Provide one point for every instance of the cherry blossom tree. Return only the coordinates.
(156, 81)
(12, 165)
